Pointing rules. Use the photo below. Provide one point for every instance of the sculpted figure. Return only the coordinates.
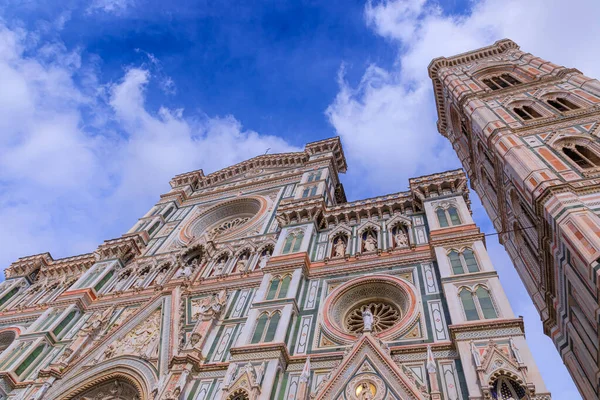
(230, 375)
(220, 267)
(242, 263)
(370, 242)
(260, 371)
(339, 249)
(160, 277)
(264, 259)
(367, 320)
(401, 238)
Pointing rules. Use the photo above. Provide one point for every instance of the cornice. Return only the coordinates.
(261, 351)
(485, 325)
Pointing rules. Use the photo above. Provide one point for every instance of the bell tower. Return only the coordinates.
(526, 132)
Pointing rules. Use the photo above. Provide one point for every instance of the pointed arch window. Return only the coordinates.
(463, 261)
(466, 297)
(448, 216)
(293, 242)
(583, 156)
(168, 212)
(266, 327)
(457, 267)
(442, 219)
(272, 328)
(562, 104)
(278, 288)
(485, 302)
(477, 305)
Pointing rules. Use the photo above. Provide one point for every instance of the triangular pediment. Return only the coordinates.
(369, 365)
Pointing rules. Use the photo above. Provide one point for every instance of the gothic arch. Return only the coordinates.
(137, 373)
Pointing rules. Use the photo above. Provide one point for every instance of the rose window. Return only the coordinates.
(228, 226)
(384, 317)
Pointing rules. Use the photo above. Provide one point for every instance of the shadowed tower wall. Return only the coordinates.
(526, 131)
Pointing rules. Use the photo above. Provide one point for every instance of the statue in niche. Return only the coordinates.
(339, 248)
(139, 282)
(367, 316)
(242, 263)
(122, 279)
(401, 238)
(370, 242)
(264, 259)
(160, 277)
(219, 267)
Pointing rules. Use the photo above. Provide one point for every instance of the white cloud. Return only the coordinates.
(67, 181)
(387, 122)
(116, 7)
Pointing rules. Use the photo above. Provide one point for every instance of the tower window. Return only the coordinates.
(448, 214)
(464, 261)
(562, 104)
(527, 113)
(583, 156)
(293, 242)
(266, 327)
(501, 81)
(477, 305)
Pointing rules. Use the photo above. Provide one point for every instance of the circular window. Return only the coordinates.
(226, 219)
(392, 303)
(385, 316)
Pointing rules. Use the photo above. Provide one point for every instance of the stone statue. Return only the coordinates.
(264, 259)
(219, 267)
(242, 263)
(185, 272)
(367, 320)
(161, 275)
(401, 238)
(339, 249)
(370, 242)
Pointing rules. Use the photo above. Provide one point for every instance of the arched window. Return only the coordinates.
(485, 302)
(259, 330)
(583, 156)
(168, 212)
(278, 288)
(272, 328)
(527, 113)
(293, 242)
(470, 261)
(453, 213)
(154, 228)
(507, 389)
(314, 176)
(562, 104)
(285, 284)
(501, 81)
(266, 326)
(306, 192)
(442, 219)
(457, 267)
(273, 288)
(477, 305)
(466, 297)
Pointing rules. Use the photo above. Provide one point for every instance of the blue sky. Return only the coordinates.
(103, 101)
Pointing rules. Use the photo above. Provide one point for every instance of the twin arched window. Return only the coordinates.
(501, 81)
(293, 242)
(527, 113)
(477, 305)
(464, 261)
(583, 156)
(266, 326)
(310, 191)
(562, 104)
(448, 216)
(278, 288)
(314, 176)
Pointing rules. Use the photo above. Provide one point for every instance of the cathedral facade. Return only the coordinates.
(261, 281)
(526, 132)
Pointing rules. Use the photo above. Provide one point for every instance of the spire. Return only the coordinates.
(303, 387)
(431, 367)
